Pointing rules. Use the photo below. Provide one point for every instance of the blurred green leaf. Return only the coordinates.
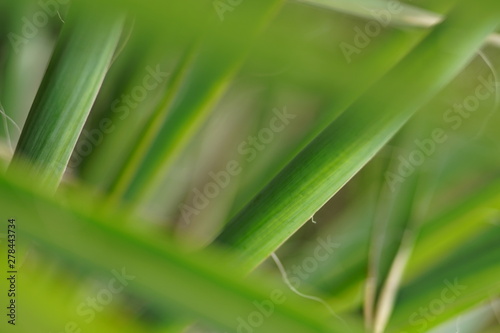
(68, 91)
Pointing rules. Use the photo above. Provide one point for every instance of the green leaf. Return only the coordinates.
(467, 277)
(336, 155)
(69, 88)
(444, 234)
(165, 275)
(185, 109)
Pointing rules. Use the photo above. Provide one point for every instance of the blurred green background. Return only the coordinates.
(250, 166)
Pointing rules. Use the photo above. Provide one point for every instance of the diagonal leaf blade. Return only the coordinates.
(337, 154)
